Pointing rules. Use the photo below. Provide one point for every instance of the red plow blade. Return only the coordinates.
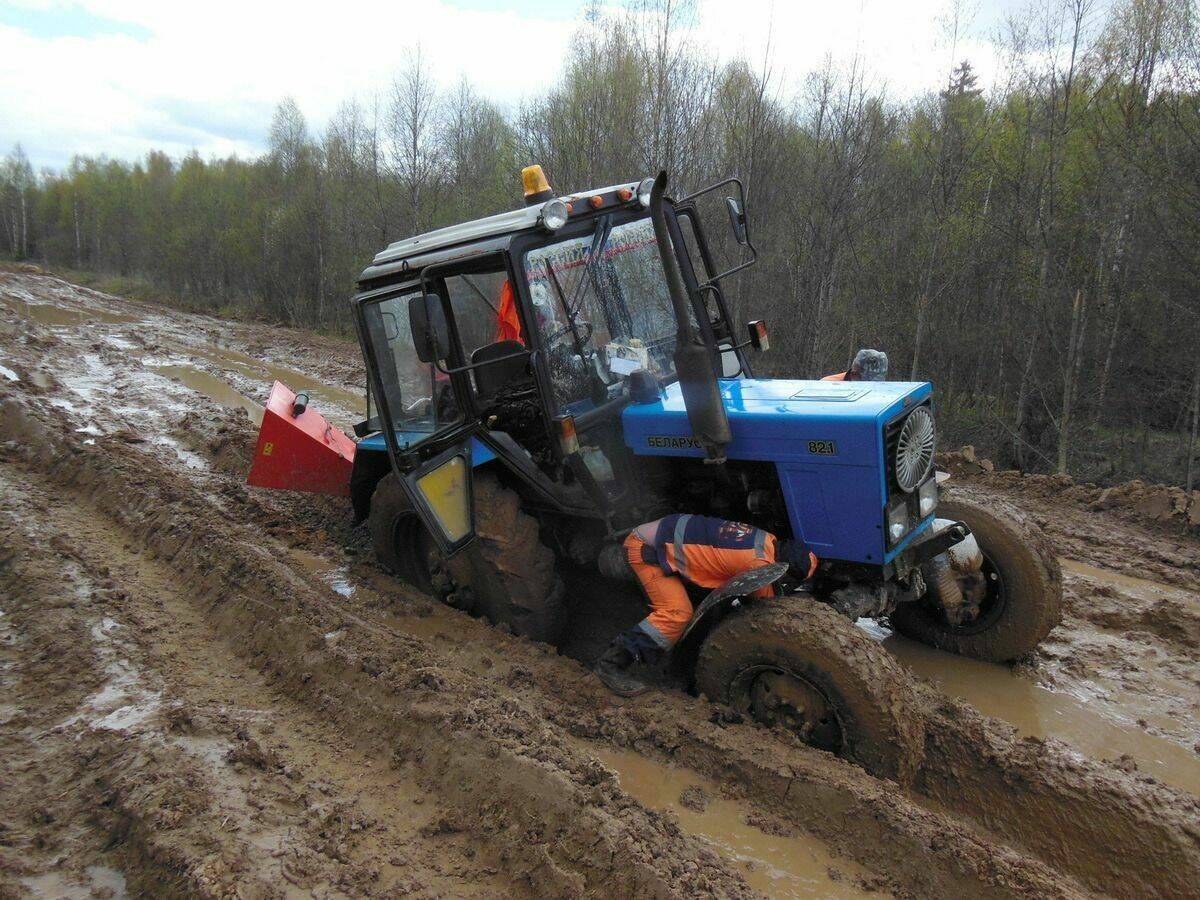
(300, 453)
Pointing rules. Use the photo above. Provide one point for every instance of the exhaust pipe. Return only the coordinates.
(693, 360)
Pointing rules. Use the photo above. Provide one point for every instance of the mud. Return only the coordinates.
(1076, 716)
(268, 713)
(774, 858)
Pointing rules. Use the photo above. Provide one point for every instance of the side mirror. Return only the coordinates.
(430, 333)
(737, 220)
(758, 335)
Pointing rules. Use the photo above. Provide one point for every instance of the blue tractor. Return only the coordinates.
(543, 380)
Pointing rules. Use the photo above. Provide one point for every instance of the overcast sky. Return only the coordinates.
(124, 76)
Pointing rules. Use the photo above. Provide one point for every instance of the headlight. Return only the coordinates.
(914, 449)
(897, 520)
(643, 192)
(554, 214)
(927, 497)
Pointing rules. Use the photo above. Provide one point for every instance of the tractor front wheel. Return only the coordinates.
(797, 664)
(507, 574)
(1015, 600)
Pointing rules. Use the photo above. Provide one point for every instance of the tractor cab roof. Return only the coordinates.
(474, 238)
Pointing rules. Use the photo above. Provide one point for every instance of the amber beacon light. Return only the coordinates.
(537, 188)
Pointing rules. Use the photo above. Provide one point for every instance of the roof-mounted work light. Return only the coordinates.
(643, 192)
(554, 214)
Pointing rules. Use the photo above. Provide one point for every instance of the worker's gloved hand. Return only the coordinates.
(870, 365)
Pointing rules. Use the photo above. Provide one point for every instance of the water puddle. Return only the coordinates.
(1139, 586)
(795, 865)
(1035, 711)
(189, 458)
(123, 702)
(210, 386)
(339, 581)
(264, 371)
(336, 578)
(66, 314)
(101, 882)
(56, 315)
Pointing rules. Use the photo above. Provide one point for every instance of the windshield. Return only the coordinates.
(601, 322)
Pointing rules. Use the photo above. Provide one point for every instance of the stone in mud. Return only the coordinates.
(694, 798)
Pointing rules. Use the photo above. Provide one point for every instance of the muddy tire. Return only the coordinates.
(507, 574)
(513, 574)
(769, 658)
(397, 535)
(1023, 583)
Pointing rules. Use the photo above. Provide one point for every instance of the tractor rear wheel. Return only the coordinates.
(1017, 596)
(397, 535)
(798, 664)
(507, 574)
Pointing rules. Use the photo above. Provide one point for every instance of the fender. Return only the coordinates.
(716, 606)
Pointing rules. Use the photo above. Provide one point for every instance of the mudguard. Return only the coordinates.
(719, 602)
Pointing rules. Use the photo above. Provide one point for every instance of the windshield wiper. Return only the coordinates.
(570, 308)
(572, 321)
(599, 242)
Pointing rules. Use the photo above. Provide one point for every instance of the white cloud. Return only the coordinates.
(206, 75)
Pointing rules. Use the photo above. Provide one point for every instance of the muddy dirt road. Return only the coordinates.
(212, 690)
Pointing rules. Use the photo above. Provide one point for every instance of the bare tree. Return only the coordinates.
(412, 129)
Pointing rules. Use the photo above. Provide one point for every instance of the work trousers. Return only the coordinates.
(670, 606)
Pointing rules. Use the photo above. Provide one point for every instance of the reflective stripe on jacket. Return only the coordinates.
(707, 551)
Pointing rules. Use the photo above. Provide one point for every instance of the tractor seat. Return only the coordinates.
(500, 372)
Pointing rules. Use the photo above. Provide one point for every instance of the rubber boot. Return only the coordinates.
(613, 670)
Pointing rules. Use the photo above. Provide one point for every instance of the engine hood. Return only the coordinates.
(781, 419)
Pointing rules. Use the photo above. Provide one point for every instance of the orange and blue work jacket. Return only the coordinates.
(706, 551)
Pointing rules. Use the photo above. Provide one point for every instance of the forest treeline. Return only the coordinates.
(1032, 246)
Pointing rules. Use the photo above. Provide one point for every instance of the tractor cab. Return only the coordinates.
(524, 336)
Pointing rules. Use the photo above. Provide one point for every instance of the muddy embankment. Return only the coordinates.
(521, 747)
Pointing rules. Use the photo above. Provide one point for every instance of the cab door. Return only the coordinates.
(421, 343)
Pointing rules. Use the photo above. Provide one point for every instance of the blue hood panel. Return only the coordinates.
(775, 418)
(825, 438)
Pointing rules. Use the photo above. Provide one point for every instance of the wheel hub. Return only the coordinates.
(783, 699)
(983, 596)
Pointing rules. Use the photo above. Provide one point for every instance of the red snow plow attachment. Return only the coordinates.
(300, 452)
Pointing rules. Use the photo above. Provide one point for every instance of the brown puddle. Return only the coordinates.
(797, 865)
(335, 577)
(1035, 711)
(54, 315)
(262, 370)
(57, 315)
(1141, 586)
(210, 386)
(101, 882)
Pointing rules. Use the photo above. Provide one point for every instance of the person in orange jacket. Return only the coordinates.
(508, 322)
(668, 554)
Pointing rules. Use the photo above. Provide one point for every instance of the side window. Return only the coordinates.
(419, 398)
(485, 309)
